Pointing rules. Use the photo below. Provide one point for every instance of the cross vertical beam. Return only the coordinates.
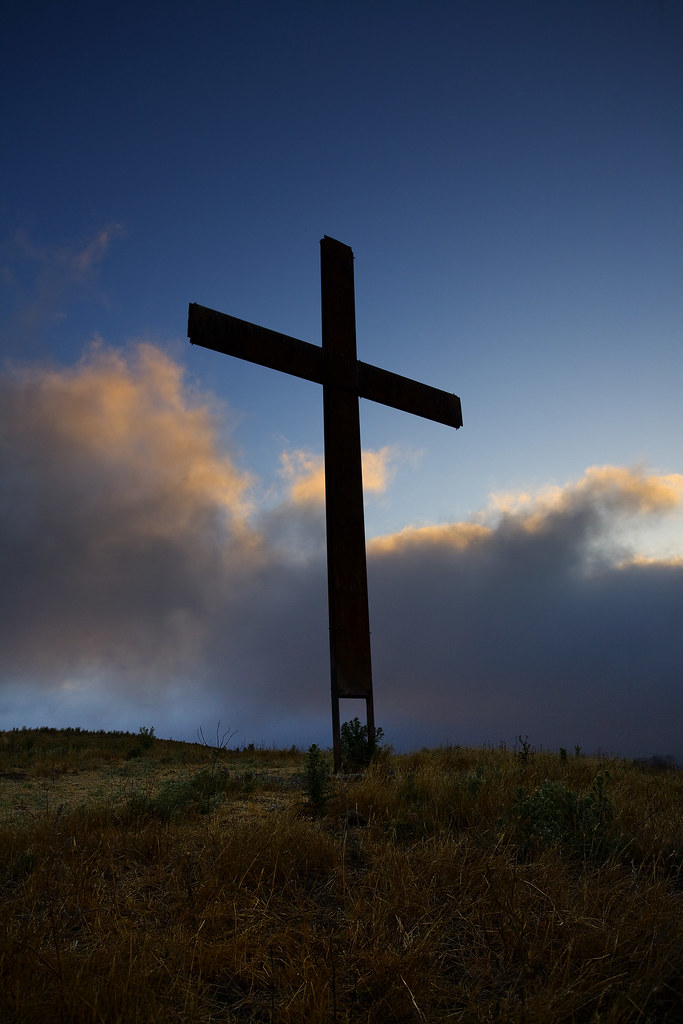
(345, 379)
(347, 583)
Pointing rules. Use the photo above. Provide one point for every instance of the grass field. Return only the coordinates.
(146, 880)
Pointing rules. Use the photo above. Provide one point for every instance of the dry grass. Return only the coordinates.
(187, 886)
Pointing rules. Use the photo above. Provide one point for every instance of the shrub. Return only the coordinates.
(553, 815)
(146, 737)
(357, 749)
(199, 793)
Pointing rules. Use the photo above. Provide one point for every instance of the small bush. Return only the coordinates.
(553, 815)
(146, 737)
(200, 793)
(357, 749)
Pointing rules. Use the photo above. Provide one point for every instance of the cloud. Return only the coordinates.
(610, 490)
(40, 279)
(81, 261)
(457, 536)
(119, 511)
(537, 619)
(143, 583)
(304, 473)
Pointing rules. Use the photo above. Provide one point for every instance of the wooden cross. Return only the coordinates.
(344, 379)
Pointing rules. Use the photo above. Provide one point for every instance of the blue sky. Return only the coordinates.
(508, 176)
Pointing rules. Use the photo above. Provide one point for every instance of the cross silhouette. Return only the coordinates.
(344, 379)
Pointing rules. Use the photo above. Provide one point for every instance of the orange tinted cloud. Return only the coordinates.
(124, 517)
(452, 535)
(377, 469)
(617, 489)
(633, 490)
(603, 492)
(125, 418)
(675, 562)
(305, 473)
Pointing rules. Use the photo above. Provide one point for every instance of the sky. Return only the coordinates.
(508, 175)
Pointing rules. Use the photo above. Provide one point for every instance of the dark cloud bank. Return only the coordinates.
(140, 586)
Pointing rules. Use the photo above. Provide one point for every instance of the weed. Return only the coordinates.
(526, 751)
(220, 747)
(212, 779)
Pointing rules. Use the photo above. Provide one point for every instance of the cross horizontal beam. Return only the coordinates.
(233, 337)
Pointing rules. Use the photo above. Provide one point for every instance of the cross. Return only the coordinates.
(344, 379)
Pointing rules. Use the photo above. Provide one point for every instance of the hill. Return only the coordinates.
(146, 880)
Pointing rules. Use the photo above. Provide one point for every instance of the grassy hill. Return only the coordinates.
(146, 880)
